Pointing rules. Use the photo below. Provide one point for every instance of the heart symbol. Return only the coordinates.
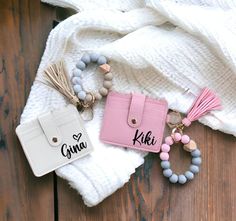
(77, 136)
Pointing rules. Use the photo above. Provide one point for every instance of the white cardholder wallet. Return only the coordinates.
(54, 139)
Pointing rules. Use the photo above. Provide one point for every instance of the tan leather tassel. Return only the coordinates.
(56, 77)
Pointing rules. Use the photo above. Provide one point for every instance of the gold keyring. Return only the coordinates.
(88, 104)
(179, 128)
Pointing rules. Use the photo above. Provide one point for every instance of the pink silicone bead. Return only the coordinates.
(165, 148)
(185, 139)
(169, 140)
(164, 156)
(177, 137)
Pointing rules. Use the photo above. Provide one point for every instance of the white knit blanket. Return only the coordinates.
(161, 48)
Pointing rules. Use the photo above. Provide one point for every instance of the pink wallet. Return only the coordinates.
(134, 120)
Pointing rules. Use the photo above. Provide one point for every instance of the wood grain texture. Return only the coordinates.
(211, 196)
(24, 29)
(148, 196)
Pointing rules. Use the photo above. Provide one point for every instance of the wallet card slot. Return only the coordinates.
(149, 109)
(33, 128)
(147, 136)
(117, 96)
(50, 128)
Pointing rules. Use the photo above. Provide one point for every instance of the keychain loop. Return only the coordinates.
(177, 129)
(178, 136)
(76, 80)
(88, 104)
(165, 164)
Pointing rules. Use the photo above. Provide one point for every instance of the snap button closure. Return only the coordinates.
(54, 139)
(136, 108)
(133, 121)
(50, 129)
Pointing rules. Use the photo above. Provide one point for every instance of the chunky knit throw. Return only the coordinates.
(163, 48)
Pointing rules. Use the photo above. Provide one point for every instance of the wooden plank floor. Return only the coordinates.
(148, 196)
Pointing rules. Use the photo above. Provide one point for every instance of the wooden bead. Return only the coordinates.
(98, 96)
(191, 146)
(105, 68)
(88, 98)
(107, 84)
(108, 76)
(103, 91)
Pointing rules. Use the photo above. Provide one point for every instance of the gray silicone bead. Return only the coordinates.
(76, 80)
(182, 179)
(77, 88)
(77, 73)
(94, 57)
(86, 58)
(167, 172)
(81, 95)
(197, 161)
(194, 168)
(165, 164)
(81, 65)
(101, 60)
(189, 175)
(173, 178)
(196, 153)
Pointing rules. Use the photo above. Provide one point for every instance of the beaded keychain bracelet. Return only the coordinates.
(206, 102)
(56, 77)
(90, 97)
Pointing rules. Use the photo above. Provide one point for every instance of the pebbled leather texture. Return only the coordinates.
(134, 121)
(54, 139)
